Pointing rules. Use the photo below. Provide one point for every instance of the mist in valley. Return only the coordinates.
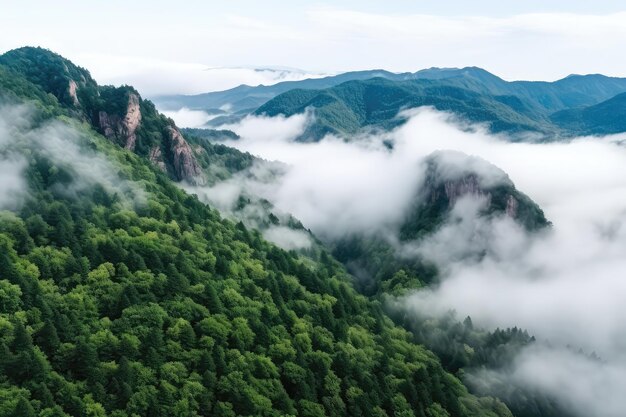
(564, 284)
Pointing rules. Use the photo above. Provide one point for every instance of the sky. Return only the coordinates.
(165, 47)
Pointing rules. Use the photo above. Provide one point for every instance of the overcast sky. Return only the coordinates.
(164, 46)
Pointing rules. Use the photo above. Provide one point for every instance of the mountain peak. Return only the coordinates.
(50, 71)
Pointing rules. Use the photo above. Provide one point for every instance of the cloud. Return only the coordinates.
(12, 184)
(332, 186)
(62, 144)
(564, 285)
(585, 385)
(287, 238)
(13, 187)
(189, 118)
(65, 145)
(209, 48)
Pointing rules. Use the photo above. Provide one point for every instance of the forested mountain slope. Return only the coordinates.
(121, 295)
(603, 118)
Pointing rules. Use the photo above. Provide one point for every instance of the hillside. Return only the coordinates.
(603, 118)
(534, 99)
(377, 260)
(122, 295)
(375, 103)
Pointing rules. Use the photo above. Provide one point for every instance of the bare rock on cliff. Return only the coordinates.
(71, 89)
(122, 129)
(156, 157)
(184, 163)
(450, 176)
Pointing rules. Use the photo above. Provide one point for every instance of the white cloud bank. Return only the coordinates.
(566, 285)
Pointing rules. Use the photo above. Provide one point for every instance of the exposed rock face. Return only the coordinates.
(511, 206)
(72, 90)
(122, 130)
(183, 160)
(131, 121)
(156, 157)
(468, 185)
(450, 177)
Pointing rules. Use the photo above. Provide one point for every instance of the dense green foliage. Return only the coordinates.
(472, 93)
(468, 350)
(128, 297)
(167, 310)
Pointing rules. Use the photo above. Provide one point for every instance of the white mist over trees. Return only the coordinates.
(564, 285)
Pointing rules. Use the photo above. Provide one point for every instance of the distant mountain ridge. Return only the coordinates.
(571, 91)
(343, 104)
(245, 97)
(607, 117)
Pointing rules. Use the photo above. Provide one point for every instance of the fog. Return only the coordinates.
(565, 285)
(154, 77)
(63, 144)
(185, 117)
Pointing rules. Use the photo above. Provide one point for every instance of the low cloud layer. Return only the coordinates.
(185, 117)
(564, 285)
(154, 77)
(62, 144)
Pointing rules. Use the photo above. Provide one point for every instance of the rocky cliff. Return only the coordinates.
(122, 129)
(119, 113)
(450, 176)
(184, 163)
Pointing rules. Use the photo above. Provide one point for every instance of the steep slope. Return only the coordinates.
(73, 86)
(117, 112)
(121, 295)
(601, 119)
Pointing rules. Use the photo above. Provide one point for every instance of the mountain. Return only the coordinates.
(375, 103)
(472, 93)
(122, 295)
(245, 98)
(535, 98)
(449, 178)
(603, 118)
(119, 113)
(389, 266)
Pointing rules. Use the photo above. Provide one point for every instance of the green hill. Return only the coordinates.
(534, 99)
(121, 295)
(245, 98)
(450, 176)
(604, 118)
(375, 103)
